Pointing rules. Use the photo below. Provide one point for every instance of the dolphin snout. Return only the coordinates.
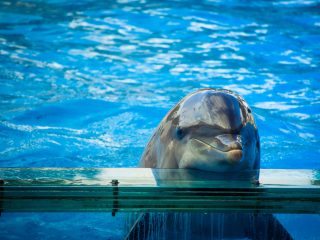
(234, 156)
(232, 146)
(229, 142)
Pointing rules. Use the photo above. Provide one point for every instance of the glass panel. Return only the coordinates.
(135, 189)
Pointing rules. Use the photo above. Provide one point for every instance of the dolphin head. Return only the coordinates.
(214, 130)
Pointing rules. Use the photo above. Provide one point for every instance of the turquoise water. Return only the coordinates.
(84, 83)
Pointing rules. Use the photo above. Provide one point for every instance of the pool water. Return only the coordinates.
(85, 83)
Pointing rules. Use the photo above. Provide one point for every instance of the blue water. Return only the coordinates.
(84, 83)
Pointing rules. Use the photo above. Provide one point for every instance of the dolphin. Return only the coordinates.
(210, 129)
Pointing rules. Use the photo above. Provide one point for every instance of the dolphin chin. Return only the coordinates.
(205, 156)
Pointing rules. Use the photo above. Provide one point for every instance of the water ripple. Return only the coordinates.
(149, 54)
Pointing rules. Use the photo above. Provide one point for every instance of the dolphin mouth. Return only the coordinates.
(215, 154)
(216, 147)
(231, 153)
(230, 146)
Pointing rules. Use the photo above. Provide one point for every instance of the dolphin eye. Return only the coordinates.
(180, 133)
